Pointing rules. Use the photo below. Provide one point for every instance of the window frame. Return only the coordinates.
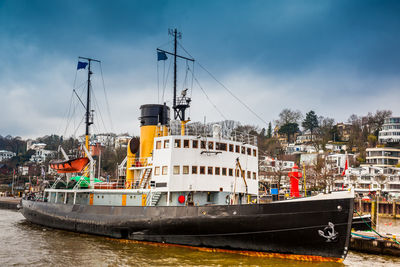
(157, 171)
(164, 170)
(194, 170)
(187, 169)
(202, 170)
(176, 169)
(186, 143)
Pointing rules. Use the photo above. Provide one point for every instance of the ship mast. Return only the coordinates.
(89, 118)
(180, 104)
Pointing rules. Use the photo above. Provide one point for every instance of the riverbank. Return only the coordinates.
(9, 203)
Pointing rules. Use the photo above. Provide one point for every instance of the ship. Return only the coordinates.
(194, 187)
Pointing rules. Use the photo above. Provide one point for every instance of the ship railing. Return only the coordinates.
(207, 131)
(142, 162)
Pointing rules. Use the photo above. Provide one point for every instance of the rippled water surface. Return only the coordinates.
(23, 243)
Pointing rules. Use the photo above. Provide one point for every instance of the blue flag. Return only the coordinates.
(161, 56)
(81, 65)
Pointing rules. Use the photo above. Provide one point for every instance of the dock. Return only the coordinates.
(9, 203)
(371, 243)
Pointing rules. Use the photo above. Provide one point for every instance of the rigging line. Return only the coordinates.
(165, 85)
(106, 97)
(208, 98)
(158, 85)
(77, 128)
(229, 91)
(72, 116)
(232, 94)
(66, 116)
(98, 108)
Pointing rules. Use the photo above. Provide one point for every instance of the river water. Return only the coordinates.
(23, 244)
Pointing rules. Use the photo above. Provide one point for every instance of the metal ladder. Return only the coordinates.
(156, 197)
(145, 179)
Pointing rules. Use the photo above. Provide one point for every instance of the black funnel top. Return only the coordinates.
(152, 114)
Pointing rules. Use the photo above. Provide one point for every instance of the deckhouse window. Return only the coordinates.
(210, 145)
(220, 146)
(248, 174)
(203, 144)
(195, 144)
(177, 143)
(254, 153)
(210, 170)
(249, 151)
(217, 170)
(157, 171)
(243, 150)
(237, 173)
(185, 169)
(166, 143)
(254, 176)
(224, 171)
(237, 149)
(186, 143)
(158, 145)
(194, 169)
(176, 169)
(164, 170)
(230, 172)
(202, 170)
(231, 148)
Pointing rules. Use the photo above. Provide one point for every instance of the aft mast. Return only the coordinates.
(180, 104)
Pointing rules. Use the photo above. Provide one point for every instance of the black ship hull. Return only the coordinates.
(315, 228)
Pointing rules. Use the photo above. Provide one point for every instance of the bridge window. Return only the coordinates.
(186, 143)
(177, 143)
(202, 170)
(203, 144)
(254, 175)
(210, 145)
(176, 169)
(224, 171)
(185, 169)
(166, 143)
(157, 171)
(164, 170)
(217, 170)
(248, 174)
(249, 151)
(194, 169)
(243, 150)
(254, 153)
(237, 149)
(230, 172)
(158, 145)
(195, 144)
(231, 148)
(210, 170)
(221, 146)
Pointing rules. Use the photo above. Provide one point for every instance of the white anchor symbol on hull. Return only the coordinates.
(329, 232)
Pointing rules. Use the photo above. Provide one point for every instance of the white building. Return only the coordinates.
(5, 155)
(390, 132)
(382, 157)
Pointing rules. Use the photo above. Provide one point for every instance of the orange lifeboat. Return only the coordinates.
(69, 166)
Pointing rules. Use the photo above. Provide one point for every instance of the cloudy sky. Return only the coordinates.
(334, 57)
